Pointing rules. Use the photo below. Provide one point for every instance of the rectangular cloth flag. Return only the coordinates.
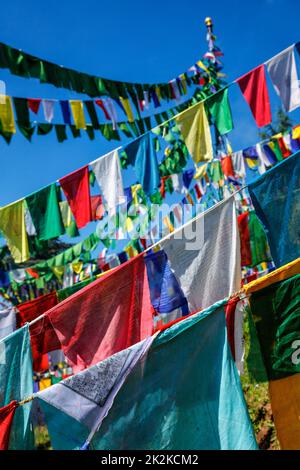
(78, 114)
(16, 384)
(253, 85)
(194, 127)
(87, 397)
(12, 225)
(283, 73)
(45, 212)
(107, 171)
(43, 337)
(7, 115)
(276, 199)
(184, 395)
(219, 109)
(142, 156)
(48, 107)
(254, 243)
(76, 187)
(110, 314)
(276, 316)
(204, 256)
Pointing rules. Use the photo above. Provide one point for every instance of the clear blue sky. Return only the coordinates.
(135, 41)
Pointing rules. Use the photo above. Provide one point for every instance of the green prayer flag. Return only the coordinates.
(219, 109)
(260, 250)
(44, 210)
(22, 111)
(276, 316)
(60, 130)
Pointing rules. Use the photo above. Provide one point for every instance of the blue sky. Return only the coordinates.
(132, 41)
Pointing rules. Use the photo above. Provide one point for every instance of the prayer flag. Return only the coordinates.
(12, 225)
(276, 199)
(45, 212)
(194, 127)
(204, 256)
(283, 73)
(219, 109)
(76, 187)
(253, 85)
(78, 114)
(107, 171)
(141, 154)
(7, 115)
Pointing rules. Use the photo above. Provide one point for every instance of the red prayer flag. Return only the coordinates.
(6, 420)
(284, 150)
(227, 166)
(97, 207)
(42, 335)
(246, 258)
(34, 104)
(101, 105)
(76, 187)
(253, 85)
(230, 322)
(110, 314)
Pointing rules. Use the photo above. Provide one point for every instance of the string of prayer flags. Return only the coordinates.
(92, 404)
(16, 383)
(142, 156)
(76, 188)
(78, 114)
(253, 86)
(166, 399)
(194, 127)
(12, 225)
(276, 199)
(219, 110)
(283, 73)
(45, 212)
(107, 171)
(7, 115)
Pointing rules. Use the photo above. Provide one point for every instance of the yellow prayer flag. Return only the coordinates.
(129, 225)
(12, 225)
(296, 133)
(78, 114)
(200, 171)
(7, 115)
(66, 213)
(126, 105)
(77, 267)
(134, 191)
(58, 271)
(131, 252)
(194, 127)
(202, 66)
(285, 403)
(168, 223)
(183, 83)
